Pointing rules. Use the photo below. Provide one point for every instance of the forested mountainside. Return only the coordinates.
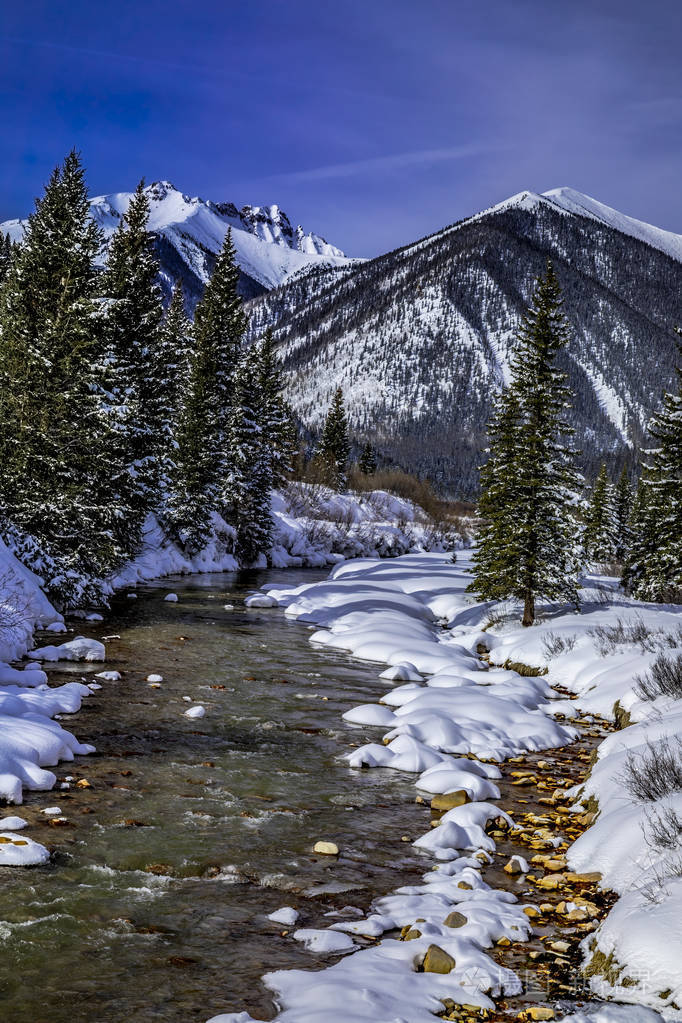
(190, 231)
(419, 339)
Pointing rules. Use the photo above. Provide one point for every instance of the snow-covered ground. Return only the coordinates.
(414, 616)
(313, 527)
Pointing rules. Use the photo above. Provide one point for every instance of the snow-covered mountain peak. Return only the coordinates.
(576, 202)
(191, 231)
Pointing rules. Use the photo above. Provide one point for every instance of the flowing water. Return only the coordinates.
(154, 905)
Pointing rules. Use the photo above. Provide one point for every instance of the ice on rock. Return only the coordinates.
(81, 648)
(195, 712)
(21, 852)
(324, 941)
(52, 811)
(109, 676)
(56, 627)
(12, 823)
(402, 672)
(286, 916)
(171, 598)
(154, 678)
(370, 714)
(260, 600)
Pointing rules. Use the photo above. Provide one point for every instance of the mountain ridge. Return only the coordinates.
(420, 339)
(190, 231)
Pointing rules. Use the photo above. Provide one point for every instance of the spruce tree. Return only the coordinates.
(496, 555)
(248, 484)
(642, 541)
(600, 535)
(528, 547)
(276, 417)
(5, 255)
(334, 447)
(654, 571)
(368, 461)
(138, 367)
(622, 503)
(54, 435)
(203, 432)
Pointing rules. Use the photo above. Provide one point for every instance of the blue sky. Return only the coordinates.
(373, 122)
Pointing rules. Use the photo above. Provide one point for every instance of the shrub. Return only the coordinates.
(655, 773)
(554, 644)
(664, 678)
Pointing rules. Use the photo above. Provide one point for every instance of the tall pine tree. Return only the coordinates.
(622, 503)
(599, 535)
(248, 484)
(334, 447)
(205, 419)
(528, 548)
(654, 570)
(55, 439)
(368, 461)
(138, 371)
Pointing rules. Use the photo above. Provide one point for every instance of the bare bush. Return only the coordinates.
(664, 678)
(636, 632)
(655, 773)
(663, 829)
(554, 644)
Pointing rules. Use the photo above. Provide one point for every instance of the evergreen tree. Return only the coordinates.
(54, 436)
(654, 571)
(334, 446)
(220, 324)
(528, 548)
(5, 255)
(248, 484)
(600, 535)
(138, 368)
(622, 502)
(205, 419)
(170, 374)
(496, 556)
(368, 461)
(642, 545)
(276, 417)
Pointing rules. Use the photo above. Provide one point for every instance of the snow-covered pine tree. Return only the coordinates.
(600, 532)
(531, 551)
(642, 540)
(495, 557)
(5, 255)
(656, 572)
(170, 373)
(368, 460)
(54, 436)
(248, 483)
(276, 417)
(220, 323)
(622, 503)
(334, 447)
(202, 454)
(131, 321)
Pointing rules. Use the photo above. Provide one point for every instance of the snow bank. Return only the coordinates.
(414, 615)
(393, 613)
(313, 527)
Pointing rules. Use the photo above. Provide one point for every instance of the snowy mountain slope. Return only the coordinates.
(420, 339)
(190, 232)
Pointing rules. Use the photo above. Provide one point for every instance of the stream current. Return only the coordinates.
(154, 904)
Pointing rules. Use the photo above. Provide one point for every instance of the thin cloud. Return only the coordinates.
(396, 161)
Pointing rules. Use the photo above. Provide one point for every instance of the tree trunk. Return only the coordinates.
(528, 609)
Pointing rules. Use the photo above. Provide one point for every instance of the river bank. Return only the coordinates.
(415, 616)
